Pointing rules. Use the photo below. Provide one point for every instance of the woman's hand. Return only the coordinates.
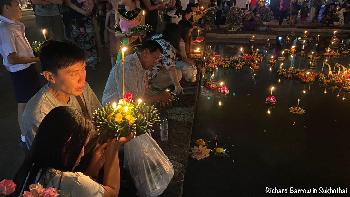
(97, 160)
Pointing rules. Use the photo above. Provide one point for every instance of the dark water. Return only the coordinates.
(270, 150)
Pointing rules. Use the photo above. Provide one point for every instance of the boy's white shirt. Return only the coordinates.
(13, 40)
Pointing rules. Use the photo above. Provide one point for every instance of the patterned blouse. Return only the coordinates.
(167, 58)
(72, 184)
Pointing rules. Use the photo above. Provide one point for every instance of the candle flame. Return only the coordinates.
(114, 105)
(124, 49)
(139, 101)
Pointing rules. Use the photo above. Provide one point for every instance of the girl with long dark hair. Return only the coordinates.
(56, 152)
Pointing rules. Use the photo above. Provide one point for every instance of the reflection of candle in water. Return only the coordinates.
(268, 112)
(44, 32)
(220, 103)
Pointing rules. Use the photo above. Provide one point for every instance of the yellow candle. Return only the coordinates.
(123, 68)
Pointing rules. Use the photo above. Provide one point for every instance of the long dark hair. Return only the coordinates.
(58, 143)
(171, 34)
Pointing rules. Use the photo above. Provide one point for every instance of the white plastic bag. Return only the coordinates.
(149, 167)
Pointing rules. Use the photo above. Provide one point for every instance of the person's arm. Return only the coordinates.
(111, 177)
(150, 7)
(175, 79)
(13, 58)
(163, 98)
(46, 2)
(80, 10)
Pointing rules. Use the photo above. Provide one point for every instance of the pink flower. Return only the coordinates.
(247, 57)
(27, 194)
(224, 90)
(7, 187)
(127, 97)
(199, 39)
(49, 192)
(36, 189)
(271, 100)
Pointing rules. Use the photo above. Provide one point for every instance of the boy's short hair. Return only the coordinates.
(56, 55)
(3, 3)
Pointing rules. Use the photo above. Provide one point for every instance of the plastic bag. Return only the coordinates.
(149, 167)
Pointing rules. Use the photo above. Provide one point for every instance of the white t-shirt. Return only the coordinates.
(72, 184)
(13, 40)
(135, 80)
(43, 102)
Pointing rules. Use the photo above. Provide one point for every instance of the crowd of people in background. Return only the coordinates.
(320, 12)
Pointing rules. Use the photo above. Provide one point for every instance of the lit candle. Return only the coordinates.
(222, 83)
(241, 49)
(114, 105)
(298, 102)
(44, 32)
(197, 50)
(318, 37)
(139, 101)
(123, 68)
(271, 90)
(143, 12)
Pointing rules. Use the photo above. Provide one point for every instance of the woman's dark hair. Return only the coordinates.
(57, 144)
(171, 34)
(151, 45)
(55, 55)
(184, 29)
(3, 3)
(187, 11)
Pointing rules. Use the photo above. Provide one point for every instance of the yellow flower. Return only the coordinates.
(118, 117)
(130, 119)
(220, 150)
(200, 142)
